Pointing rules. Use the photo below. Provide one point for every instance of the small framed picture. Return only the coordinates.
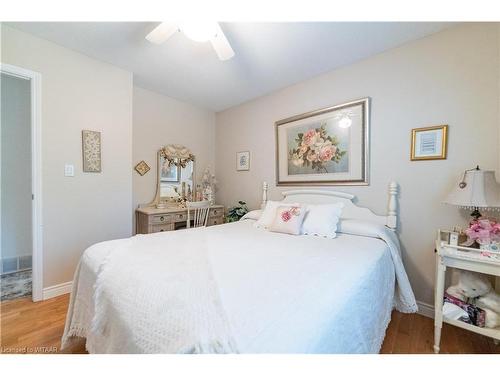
(142, 168)
(243, 161)
(429, 143)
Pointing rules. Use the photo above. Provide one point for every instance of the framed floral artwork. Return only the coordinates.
(329, 146)
(91, 149)
(243, 161)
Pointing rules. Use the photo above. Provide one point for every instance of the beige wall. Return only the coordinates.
(448, 78)
(451, 77)
(78, 93)
(161, 120)
(16, 167)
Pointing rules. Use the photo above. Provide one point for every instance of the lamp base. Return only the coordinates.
(476, 214)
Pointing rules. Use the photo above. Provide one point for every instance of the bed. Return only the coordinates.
(234, 288)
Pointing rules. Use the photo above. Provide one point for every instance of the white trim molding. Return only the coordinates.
(57, 290)
(36, 168)
(425, 309)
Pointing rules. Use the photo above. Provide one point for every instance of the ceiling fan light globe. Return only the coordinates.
(199, 31)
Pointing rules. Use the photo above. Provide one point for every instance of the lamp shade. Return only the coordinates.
(478, 188)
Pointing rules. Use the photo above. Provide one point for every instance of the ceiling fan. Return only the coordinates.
(197, 31)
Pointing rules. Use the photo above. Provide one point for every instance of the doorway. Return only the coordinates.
(20, 184)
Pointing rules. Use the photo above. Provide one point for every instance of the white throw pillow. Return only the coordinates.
(322, 219)
(268, 214)
(252, 215)
(288, 219)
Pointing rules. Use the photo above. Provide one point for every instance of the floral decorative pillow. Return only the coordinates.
(267, 216)
(288, 219)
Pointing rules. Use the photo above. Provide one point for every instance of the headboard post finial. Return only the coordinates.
(264, 195)
(392, 209)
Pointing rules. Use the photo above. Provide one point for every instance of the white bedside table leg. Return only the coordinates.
(438, 304)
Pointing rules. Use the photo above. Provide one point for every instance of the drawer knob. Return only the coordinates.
(162, 218)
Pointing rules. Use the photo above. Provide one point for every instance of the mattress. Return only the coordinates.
(283, 293)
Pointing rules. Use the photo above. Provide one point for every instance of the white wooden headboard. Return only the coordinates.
(350, 211)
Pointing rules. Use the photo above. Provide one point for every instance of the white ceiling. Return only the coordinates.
(269, 56)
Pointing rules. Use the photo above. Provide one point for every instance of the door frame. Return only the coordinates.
(35, 79)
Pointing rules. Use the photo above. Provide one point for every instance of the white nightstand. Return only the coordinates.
(456, 257)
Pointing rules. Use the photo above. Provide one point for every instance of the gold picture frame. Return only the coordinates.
(429, 143)
(142, 168)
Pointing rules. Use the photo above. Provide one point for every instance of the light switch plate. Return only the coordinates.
(69, 170)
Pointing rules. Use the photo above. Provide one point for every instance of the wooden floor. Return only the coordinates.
(28, 327)
(414, 334)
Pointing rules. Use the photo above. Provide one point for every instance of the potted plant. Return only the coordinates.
(237, 212)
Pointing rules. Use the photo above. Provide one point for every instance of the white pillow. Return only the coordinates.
(361, 228)
(252, 215)
(268, 214)
(321, 219)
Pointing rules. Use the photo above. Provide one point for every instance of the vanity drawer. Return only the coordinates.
(215, 221)
(179, 216)
(216, 212)
(160, 219)
(162, 228)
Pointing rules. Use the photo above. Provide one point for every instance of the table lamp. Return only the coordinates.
(476, 190)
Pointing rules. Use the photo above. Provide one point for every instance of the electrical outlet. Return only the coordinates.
(69, 170)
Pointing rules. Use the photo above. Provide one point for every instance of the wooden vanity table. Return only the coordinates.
(175, 177)
(152, 219)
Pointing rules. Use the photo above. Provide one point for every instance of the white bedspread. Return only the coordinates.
(279, 293)
(158, 295)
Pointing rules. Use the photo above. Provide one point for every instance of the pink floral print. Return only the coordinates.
(288, 214)
(315, 148)
(285, 216)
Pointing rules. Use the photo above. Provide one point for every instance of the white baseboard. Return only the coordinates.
(425, 309)
(57, 290)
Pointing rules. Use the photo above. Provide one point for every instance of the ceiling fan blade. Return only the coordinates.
(221, 45)
(162, 32)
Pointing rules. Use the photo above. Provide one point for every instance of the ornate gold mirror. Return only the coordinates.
(175, 176)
